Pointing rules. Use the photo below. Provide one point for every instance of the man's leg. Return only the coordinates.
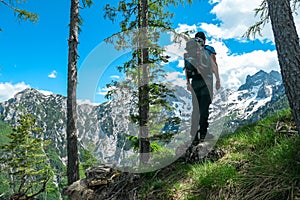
(204, 101)
(195, 118)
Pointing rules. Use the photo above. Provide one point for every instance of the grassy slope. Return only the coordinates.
(262, 161)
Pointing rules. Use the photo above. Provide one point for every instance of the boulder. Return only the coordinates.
(104, 182)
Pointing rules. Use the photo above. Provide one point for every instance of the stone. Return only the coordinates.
(201, 152)
(104, 182)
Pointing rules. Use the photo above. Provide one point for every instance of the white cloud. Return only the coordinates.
(297, 21)
(176, 77)
(181, 63)
(53, 74)
(233, 68)
(175, 50)
(235, 18)
(8, 90)
(115, 77)
(102, 91)
(184, 27)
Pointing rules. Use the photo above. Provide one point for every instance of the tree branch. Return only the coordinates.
(8, 5)
(22, 14)
(42, 189)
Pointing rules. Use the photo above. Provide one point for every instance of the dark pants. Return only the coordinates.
(201, 103)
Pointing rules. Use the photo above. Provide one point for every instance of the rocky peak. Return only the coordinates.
(28, 93)
(261, 78)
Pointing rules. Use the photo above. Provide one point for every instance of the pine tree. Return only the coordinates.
(288, 51)
(72, 143)
(148, 19)
(72, 148)
(287, 45)
(24, 162)
(143, 62)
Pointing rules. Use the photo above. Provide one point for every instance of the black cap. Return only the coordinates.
(200, 35)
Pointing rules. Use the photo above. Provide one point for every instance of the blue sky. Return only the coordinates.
(35, 54)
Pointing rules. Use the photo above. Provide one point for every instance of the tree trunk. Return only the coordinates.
(144, 142)
(72, 148)
(288, 50)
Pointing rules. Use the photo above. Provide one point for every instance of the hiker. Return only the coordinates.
(202, 85)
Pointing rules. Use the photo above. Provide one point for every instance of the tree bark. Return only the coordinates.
(288, 51)
(72, 148)
(144, 142)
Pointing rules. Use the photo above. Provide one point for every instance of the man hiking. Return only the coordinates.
(199, 68)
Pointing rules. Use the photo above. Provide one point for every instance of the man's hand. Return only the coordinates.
(188, 86)
(218, 84)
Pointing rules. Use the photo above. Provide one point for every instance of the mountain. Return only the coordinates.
(50, 111)
(262, 94)
(101, 125)
(104, 128)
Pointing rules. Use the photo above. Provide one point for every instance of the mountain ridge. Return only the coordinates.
(103, 126)
(260, 90)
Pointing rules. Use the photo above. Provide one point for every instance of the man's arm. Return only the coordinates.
(188, 84)
(215, 70)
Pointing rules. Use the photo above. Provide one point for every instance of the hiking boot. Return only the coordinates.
(196, 141)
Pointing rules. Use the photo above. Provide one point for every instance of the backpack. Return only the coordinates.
(197, 61)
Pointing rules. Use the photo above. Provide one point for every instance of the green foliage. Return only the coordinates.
(154, 147)
(87, 159)
(87, 3)
(159, 21)
(4, 187)
(51, 192)
(5, 129)
(59, 169)
(263, 13)
(23, 160)
(23, 15)
(134, 141)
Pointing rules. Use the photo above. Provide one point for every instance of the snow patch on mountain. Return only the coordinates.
(258, 93)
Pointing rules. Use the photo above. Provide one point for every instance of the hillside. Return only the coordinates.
(261, 161)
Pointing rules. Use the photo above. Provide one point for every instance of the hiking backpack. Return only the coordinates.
(197, 60)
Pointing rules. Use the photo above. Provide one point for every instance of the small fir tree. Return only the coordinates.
(24, 162)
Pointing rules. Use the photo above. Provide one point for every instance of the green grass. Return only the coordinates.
(261, 161)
